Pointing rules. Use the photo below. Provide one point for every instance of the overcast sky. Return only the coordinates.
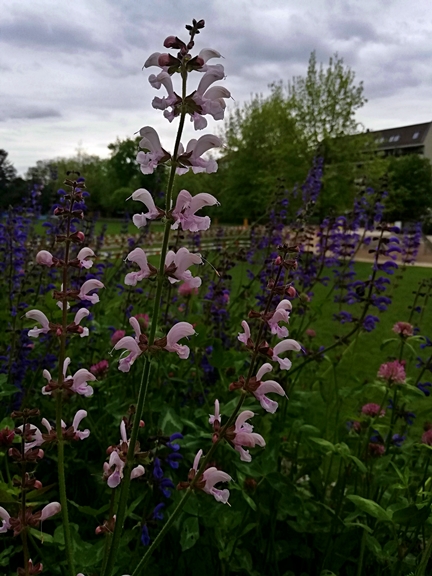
(71, 71)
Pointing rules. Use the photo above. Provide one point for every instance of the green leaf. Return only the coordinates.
(373, 545)
(307, 429)
(42, 536)
(385, 342)
(5, 556)
(250, 501)
(358, 463)
(90, 511)
(411, 515)
(190, 533)
(170, 422)
(370, 507)
(323, 444)
(7, 389)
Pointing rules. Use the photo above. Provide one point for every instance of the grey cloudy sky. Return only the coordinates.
(71, 71)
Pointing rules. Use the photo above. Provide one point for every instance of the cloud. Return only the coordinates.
(30, 113)
(72, 71)
(45, 32)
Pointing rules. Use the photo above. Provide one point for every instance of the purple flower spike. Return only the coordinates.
(145, 537)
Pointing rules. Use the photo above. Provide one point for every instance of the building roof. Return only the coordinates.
(402, 137)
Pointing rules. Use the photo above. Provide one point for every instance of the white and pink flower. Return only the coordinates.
(245, 338)
(243, 435)
(149, 161)
(138, 256)
(144, 196)
(177, 332)
(80, 315)
(281, 314)
(45, 258)
(191, 157)
(89, 286)
(84, 256)
(185, 208)
(266, 387)
(210, 478)
(80, 380)
(43, 321)
(285, 346)
(177, 264)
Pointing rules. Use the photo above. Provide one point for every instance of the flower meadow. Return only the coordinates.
(254, 405)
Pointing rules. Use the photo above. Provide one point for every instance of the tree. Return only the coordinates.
(410, 188)
(264, 149)
(324, 102)
(12, 187)
(272, 142)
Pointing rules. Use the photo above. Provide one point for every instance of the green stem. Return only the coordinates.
(421, 570)
(362, 553)
(145, 375)
(59, 408)
(209, 454)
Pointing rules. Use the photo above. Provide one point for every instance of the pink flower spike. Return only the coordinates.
(177, 332)
(80, 382)
(244, 338)
(115, 477)
(244, 436)
(137, 472)
(212, 476)
(152, 60)
(281, 314)
(81, 435)
(50, 510)
(130, 344)
(82, 256)
(82, 313)
(136, 327)
(123, 435)
(5, 516)
(284, 346)
(197, 148)
(185, 208)
(269, 386)
(144, 196)
(197, 458)
(45, 258)
(37, 439)
(138, 256)
(87, 287)
(181, 262)
(43, 321)
(216, 415)
(208, 53)
(148, 161)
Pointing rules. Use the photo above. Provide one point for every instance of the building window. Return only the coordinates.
(416, 135)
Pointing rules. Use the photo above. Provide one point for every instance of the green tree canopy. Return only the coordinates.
(410, 187)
